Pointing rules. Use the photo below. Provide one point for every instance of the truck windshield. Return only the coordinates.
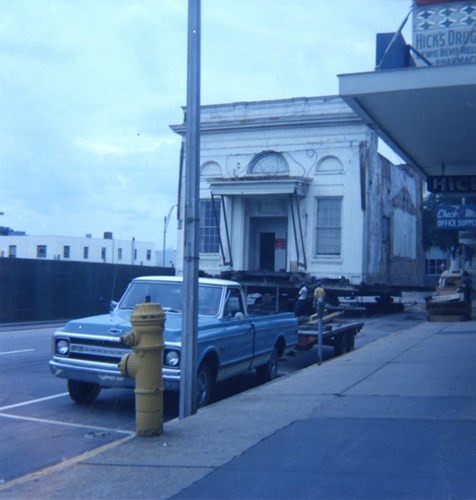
(169, 296)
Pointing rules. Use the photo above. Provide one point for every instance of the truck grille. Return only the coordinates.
(97, 350)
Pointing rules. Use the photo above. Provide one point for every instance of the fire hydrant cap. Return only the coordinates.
(149, 312)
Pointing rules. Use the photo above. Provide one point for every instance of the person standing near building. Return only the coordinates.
(319, 299)
(300, 302)
(467, 286)
(442, 280)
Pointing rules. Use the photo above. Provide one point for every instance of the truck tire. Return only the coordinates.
(83, 392)
(269, 371)
(205, 383)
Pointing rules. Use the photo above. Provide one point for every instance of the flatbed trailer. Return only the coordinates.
(339, 335)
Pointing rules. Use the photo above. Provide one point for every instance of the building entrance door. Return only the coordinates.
(268, 244)
(266, 251)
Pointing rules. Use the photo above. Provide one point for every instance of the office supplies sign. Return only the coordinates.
(459, 217)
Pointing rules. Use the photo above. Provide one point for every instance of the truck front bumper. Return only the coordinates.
(105, 375)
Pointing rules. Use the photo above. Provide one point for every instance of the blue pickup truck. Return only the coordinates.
(87, 351)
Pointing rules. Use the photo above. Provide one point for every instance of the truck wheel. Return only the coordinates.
(83, 392)
(269, 371)
(205, 384)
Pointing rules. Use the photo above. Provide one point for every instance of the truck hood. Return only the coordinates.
(118, 323)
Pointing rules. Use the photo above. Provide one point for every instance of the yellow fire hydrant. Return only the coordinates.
(145, 365)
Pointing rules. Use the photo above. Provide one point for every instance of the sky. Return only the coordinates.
(89, 89)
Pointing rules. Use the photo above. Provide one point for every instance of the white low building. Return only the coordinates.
(298, 185)
(84, 249)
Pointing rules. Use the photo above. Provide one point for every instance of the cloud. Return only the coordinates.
(123, 146)
(88, 91)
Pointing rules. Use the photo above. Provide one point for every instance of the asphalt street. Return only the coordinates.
(394, 419)
(41, 426)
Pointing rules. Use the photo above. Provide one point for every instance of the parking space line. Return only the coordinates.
(33, 401)
(34, 476)
(16, 352)
(65, 424)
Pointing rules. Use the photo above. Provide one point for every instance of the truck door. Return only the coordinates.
(236, 349)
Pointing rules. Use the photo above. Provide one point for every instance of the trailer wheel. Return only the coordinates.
(350, 341)
(83, 392)
(341, 345)
(269, 371)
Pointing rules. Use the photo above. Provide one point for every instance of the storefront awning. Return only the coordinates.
(427, 115)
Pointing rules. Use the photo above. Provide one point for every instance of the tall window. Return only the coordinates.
(85, 252)
(328, 227)
(209, 227)
(41, 251)
(12, 251)
(66, 251)
(103, 253)
(119, 254)
(149, 255)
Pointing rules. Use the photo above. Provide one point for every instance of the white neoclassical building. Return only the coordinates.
(297, 185)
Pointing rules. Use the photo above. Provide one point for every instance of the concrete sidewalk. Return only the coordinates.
(396, 419)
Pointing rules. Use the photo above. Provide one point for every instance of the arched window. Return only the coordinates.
(329, 164)
(268, 163)
(211, 169)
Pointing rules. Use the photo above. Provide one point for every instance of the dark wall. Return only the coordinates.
(40, 290)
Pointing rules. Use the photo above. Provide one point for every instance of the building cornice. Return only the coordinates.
(285, 113)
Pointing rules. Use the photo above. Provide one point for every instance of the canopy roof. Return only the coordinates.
(426, 115)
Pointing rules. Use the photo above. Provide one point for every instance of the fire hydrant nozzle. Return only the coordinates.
(145, 365)
(129, 339)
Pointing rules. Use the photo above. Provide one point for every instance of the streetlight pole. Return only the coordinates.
(166, 225)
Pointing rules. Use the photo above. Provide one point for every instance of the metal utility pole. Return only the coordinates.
(188, 378)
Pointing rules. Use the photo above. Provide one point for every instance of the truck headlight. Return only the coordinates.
(172, 358)
(62, 347)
